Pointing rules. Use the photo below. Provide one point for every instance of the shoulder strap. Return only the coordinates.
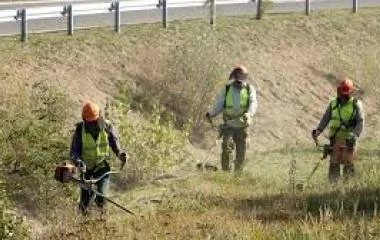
(248, 87)
(354, 108)
(333, 107)
(225, 97)
(350, 121)
(355, 105)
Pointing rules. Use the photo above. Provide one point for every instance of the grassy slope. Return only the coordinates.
(292, 59)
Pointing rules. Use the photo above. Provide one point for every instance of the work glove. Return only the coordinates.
(247, 119)
(315, 133)
(351, 142)
(123, 157)
(81, 166)
(327, 150)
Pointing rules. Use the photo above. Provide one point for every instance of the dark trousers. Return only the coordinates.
(102, 187)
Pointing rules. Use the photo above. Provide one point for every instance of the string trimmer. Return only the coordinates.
(326, 150)
(65, 173)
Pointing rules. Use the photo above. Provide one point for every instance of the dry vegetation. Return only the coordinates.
(294, 62)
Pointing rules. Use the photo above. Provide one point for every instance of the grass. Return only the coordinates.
(223, 206)
(287, 55)
(260, 204)
(294, 61)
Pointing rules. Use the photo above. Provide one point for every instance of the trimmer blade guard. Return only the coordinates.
(64, 173)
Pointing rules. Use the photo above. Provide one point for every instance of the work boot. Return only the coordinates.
(348, 171)
(102, 209)
(334, 172)
(82, 209)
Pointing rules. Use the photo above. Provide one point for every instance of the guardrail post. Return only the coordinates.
(165, 13)
(307, 7)
(212, 13)
(117, 16)
(24, 26)
(70, 20)
(259, 11)
(355, 6)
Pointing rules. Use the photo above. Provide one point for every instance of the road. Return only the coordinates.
(150, 16)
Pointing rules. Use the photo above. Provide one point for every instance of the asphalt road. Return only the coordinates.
(99, 20)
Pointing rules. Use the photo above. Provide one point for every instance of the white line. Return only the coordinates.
(290, 1)
(41, 2)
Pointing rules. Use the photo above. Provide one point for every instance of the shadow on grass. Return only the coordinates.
(287, 207)
(37, 195)
(369, 154)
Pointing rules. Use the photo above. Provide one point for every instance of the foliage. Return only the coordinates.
(152, 142)
(10, 223)
(183, 81)
(33, 140)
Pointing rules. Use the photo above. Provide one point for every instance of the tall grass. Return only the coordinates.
(184, 80)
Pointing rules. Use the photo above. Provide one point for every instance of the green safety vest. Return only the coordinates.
(342, 118)
(94, 152)
(229, 111)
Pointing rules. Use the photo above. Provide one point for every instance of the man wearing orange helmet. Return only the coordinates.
(345, 117)
(90, 150)
(238, 103)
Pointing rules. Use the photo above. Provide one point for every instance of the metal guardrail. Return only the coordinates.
(116, 7)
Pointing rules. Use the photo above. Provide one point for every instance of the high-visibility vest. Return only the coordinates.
(229, 111)
(94, 151)
(342, 118)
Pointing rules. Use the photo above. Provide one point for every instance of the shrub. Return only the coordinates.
(153, 143)
(32, 140)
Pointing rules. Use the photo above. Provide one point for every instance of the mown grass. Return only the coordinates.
(224, 206)
(250, 206)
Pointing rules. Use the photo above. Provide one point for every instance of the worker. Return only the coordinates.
(345, 117)
(238, 103)
(90, 150)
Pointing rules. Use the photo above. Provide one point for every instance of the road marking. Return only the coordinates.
(85, 1)
(42, 2)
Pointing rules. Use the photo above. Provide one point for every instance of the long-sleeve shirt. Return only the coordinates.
(358, 119)
(219, 106)
(76, 145)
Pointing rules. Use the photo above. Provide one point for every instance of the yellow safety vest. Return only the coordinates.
(229, 111)
(342, 116)
(94, 151)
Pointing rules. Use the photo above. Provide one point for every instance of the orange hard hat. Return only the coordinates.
(345, 87)
(90, 112)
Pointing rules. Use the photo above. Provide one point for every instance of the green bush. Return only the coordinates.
(153, 143)
(33, 140)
